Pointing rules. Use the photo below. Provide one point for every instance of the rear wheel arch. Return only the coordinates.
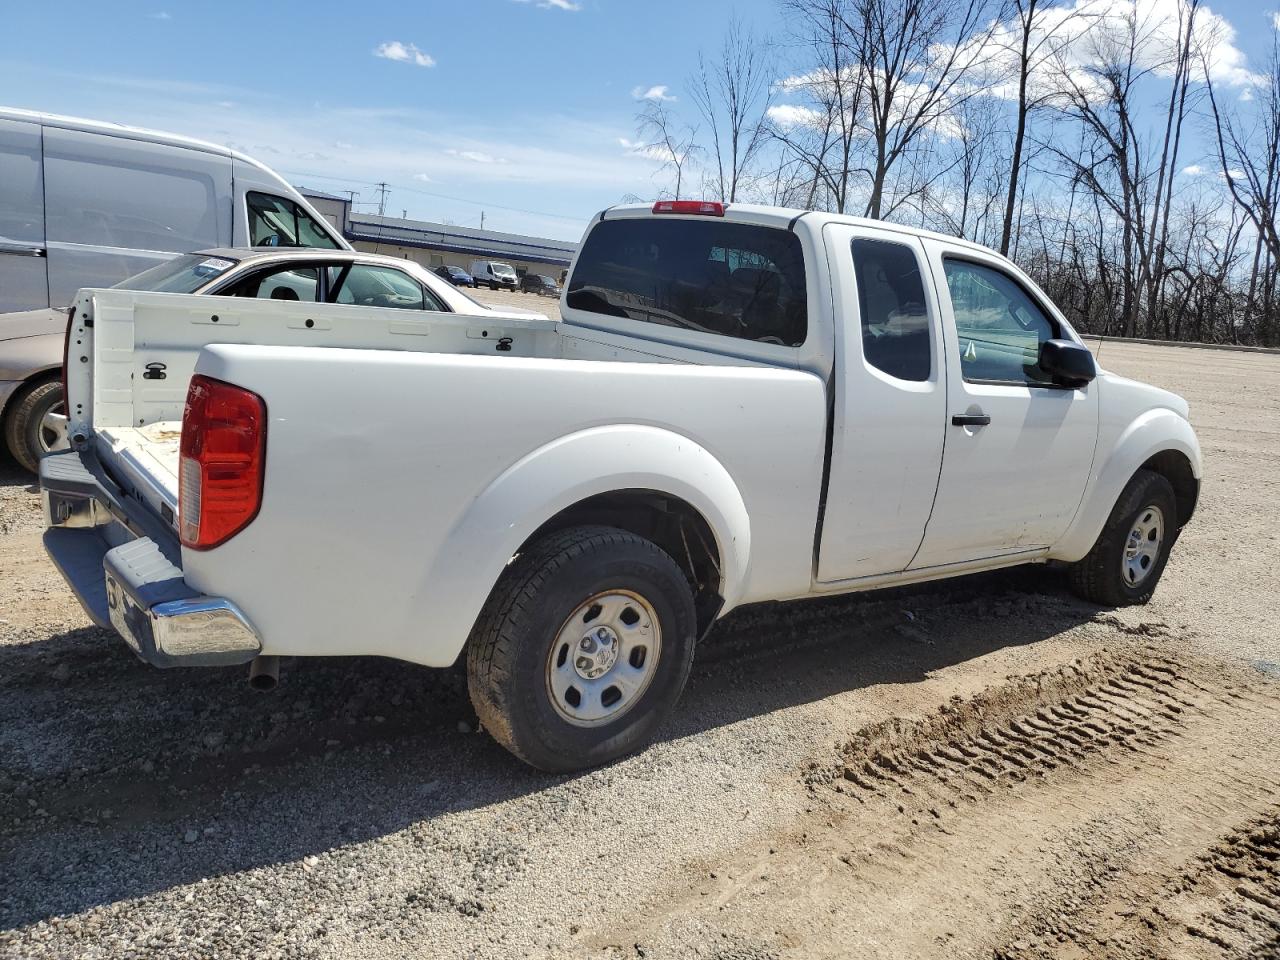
(668, 521)
(13, 425)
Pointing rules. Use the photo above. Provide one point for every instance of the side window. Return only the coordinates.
(891, 301)
(1000, 327)
(372, 286)
(289, 282)
(277, 222)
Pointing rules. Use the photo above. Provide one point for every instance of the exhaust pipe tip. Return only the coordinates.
(264, 673)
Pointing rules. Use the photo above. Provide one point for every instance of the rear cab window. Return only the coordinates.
(738, 280)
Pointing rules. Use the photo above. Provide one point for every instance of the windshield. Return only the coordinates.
(183, 274)
(502, 270)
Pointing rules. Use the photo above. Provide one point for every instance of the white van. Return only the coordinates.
(88, 204)
(495, 274)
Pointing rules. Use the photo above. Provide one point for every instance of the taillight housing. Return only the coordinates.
(702, 208)
(224, 446)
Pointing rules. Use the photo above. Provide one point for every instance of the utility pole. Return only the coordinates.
(383, 190)
(481, 219)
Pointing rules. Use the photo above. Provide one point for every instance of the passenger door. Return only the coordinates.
(889, 403)
(1019, 447)
(24, 278)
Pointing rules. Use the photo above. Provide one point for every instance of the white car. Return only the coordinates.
(310, 276)
(741, 404)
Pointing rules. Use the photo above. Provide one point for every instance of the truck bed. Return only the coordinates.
(148, 456)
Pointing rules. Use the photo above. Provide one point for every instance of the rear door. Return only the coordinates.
(1019, 448)
(24, 279)
(889, 404)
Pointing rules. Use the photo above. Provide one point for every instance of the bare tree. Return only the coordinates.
(732, 95)
(665, 139)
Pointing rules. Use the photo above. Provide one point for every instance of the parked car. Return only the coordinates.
(541, 285)
(741, 404)
(496, 275)
(84, 203)
(455, 275)
(311, 276)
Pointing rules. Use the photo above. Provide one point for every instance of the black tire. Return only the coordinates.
(1099, 576)
(512, 643)
(22, 425)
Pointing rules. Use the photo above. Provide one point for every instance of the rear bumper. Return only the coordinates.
(124, 567)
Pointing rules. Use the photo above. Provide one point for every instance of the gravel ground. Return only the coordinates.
(355, 813)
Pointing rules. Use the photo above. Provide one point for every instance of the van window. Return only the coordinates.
(895, 323)
(733, 279)
(277, 222)
(111, 192)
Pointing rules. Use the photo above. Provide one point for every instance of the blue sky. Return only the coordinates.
(516, 107)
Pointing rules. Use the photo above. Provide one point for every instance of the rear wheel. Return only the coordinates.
(583, 648)
(37, 424)
(1130, 554)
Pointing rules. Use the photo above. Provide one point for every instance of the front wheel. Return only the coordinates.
(582, 649)
(1130, 554)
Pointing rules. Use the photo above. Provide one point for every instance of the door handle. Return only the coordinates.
(970, 420)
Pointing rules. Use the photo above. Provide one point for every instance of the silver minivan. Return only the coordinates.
(87, 204)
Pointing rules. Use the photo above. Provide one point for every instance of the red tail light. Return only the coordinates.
(705, 208)
(224, 444)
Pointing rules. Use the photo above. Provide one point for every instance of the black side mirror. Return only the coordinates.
(1069, 363)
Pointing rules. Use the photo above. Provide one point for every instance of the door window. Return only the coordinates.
(895, 323)
(373, 286)
(1000, 328)
(277, 222)
(288, 282)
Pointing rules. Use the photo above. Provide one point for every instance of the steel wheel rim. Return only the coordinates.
(1142, 546)
(604, 657)
(52, 434)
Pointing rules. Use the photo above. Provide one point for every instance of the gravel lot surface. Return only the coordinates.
(980, 768)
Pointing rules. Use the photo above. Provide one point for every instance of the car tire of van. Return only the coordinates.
(27, 434)
(1130, 554)
(582, 649)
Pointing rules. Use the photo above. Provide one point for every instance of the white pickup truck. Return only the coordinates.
(740, 404)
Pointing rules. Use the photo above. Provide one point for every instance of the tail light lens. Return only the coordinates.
(224, 442)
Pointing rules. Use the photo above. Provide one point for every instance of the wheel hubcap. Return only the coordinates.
(1142, 547)
(53, 429)
(604, 657)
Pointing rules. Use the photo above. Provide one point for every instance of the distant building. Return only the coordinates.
(438, 244)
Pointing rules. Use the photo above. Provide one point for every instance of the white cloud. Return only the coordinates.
(555, 4)
(225, 104)
(789, 115)
(1194, 170)
(404, 53)
(160, 15)
(475, 156)
(1275, 20)
(656, 92)
(423, 178)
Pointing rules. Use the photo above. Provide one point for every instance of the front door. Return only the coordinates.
(1018, 447)
(889, 405)
(24, 281)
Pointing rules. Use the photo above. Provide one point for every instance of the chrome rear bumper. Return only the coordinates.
(124, 566)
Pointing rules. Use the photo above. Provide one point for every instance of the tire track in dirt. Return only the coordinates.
(1122, 805)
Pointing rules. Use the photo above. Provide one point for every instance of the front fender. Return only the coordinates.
(1153, 432)
(556, 476)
